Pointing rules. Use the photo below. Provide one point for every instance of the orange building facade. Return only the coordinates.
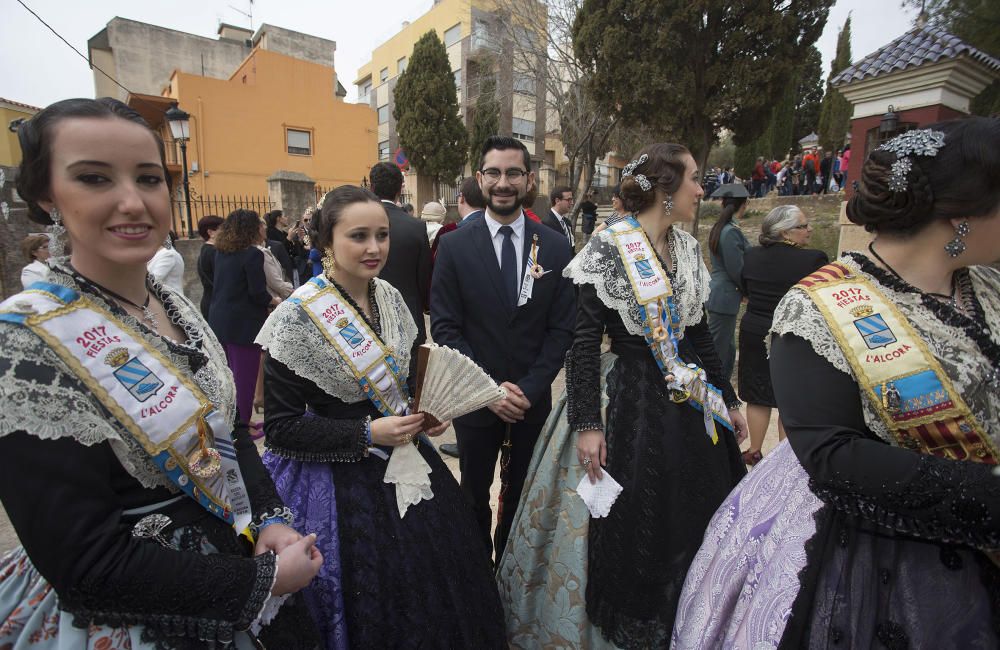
(274, 113)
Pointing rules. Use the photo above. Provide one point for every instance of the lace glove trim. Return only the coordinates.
(948, 501)
(583, 390)
(311, 438)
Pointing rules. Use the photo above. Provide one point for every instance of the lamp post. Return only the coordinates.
(179, 129)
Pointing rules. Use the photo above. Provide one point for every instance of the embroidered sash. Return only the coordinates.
(652, 290)
(372, 364)
(376, 372)
(909, 389)
(150, 397)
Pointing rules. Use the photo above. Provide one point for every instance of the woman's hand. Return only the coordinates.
(439, 429)
(396, 430)
(740, 427)
(276, 537)
(592, 452)
(297, 565)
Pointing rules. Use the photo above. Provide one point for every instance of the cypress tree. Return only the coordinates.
(426, 110)
(835, 111)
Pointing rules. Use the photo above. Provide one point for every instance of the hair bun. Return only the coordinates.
(634, 198)
(876, 207)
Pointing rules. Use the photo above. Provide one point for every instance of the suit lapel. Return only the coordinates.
(484, 246)
(530, 230)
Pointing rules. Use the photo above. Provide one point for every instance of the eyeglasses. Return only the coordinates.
(566, 198)
(514, 174)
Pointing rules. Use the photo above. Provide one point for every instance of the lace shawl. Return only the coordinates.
(292, 338)
(955, 350)
(43, 396)
(600, 264)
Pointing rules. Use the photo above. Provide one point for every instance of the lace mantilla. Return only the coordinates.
(43, 397)
(600, 264)
(291, 337)
(957, 353)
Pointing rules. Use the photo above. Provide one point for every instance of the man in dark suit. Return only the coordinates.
(481, 307)
(562, 203)
(471, 204)
(408, 266)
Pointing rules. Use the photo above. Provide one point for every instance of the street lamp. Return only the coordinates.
(178, 121)
(889, 123)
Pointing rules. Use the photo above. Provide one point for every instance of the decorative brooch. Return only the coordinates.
(629, 170)
(918, 142)
(536, 269)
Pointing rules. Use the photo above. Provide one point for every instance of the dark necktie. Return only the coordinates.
(508, 264)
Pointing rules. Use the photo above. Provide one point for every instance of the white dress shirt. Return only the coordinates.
(34, 272)
(567, 228)
(167, 266)
(517, 239)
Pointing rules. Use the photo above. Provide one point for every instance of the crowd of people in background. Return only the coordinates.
(813, 171)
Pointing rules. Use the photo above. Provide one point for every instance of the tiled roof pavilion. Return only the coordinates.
(919, 46)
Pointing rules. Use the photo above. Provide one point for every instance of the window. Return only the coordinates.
(401, 65)
(383, 150)
(364, 95)
(524, 84)
(383, 75)
(383, 114)
(523, 129)
(458, 79)
(453, 35)
(299, 142)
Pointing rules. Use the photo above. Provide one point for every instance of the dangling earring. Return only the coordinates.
(956, 246)
(668, 205)
(168, 244)
(329, 263)
(57, 234)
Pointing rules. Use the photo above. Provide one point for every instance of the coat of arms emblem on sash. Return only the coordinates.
(872, 327)
(133, 374)
(644, 267)
(350, 332)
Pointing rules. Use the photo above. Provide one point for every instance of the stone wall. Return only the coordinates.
(14, 227)
(291, 192)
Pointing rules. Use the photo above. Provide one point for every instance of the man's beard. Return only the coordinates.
(504, 211)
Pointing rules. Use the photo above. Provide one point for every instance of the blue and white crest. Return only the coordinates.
(352, 335)
(875, 331)
(138, 379)
(644, 268)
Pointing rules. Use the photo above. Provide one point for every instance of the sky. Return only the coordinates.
(37, 68)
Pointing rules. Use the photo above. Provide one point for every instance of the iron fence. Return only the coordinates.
(214, 205)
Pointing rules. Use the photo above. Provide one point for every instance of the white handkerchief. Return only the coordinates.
(599, 496)
(412, 476)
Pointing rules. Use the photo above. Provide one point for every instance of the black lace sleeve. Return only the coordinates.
(701, 340)
(583, 363)
(855, 472)
(64, 502)
(295, 432)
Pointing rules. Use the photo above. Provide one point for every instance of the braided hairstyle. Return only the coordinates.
(962, 180)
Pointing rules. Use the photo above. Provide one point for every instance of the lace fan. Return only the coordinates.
(450, 385)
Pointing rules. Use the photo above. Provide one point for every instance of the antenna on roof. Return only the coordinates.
(248, 13)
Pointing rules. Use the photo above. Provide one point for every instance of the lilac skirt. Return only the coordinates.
(741, 586)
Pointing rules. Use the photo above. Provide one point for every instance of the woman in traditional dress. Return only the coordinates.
(120, 475)
(404, 565)
(875, 524)
(769, 271)
(569, 580)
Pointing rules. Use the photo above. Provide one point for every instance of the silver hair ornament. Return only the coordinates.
(57, 234)
(918, 142)
(629, 170)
